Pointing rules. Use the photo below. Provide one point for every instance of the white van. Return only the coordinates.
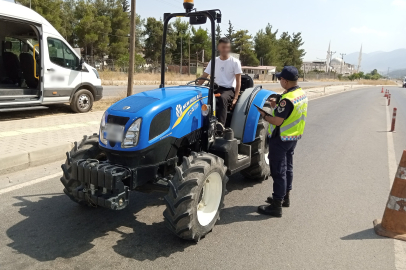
(38, 66)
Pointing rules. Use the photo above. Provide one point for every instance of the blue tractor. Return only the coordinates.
(166, 140)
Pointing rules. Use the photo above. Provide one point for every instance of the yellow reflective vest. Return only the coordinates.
(293, 127)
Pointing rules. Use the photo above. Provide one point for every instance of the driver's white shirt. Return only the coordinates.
(225, 71)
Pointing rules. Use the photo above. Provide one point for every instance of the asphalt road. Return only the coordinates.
(341, 185)
(114, 91)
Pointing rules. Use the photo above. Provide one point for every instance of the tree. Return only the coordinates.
(50, 10)
(230, 32)
(120, 25)
(266, 46)
(181, 36)
(296, 52)
(152, 46)
(85, 29)
(284, 51)
(218, 33)
(201, 41)
(244, 46)
(69, 21)
(126, 5)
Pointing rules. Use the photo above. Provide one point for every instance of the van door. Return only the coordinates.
(62, 72)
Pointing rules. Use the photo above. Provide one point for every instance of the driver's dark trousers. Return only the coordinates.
(222, 103)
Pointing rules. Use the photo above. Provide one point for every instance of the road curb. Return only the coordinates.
(24, 160)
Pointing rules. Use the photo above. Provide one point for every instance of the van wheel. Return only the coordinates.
(82, 101)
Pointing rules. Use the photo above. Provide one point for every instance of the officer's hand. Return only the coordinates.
(260, 112)
(233, 104)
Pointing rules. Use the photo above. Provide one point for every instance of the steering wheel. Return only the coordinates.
(203, 79)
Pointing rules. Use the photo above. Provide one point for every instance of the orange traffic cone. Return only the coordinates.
(382, 90)
(393, 223)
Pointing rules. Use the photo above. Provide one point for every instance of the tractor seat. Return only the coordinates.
(246, 82)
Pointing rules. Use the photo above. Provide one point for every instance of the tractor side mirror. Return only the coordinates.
(196, 20)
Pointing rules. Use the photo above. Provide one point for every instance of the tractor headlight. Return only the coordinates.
(102, 133)
(132, 135)
(205, 109)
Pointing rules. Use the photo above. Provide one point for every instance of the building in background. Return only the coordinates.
(336, 65)
(261, 72)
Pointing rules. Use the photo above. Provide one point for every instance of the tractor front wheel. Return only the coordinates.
(196, 196)
(88, 148)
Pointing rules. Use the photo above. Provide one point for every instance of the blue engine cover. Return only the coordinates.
(184, 101)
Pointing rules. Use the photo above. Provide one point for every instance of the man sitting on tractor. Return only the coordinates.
(228, 77)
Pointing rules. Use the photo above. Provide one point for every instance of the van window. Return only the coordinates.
(61, 55)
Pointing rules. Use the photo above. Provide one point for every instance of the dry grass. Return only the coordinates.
(105, 103)
(377, 82)
(121, 78)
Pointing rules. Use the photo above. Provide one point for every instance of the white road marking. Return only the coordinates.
(400, 246)
(45, 129)
(29, 183)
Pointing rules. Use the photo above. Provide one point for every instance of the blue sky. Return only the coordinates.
(380, 25)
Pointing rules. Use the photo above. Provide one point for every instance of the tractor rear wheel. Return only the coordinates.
(196, 196)
(259, 169)
(88, 148)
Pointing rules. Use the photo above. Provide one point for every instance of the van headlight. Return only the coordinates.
(132, 135)
(102, 133)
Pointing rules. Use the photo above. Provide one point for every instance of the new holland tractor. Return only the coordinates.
(166, 140)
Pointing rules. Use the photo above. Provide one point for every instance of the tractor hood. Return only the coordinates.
(135, 103)
(166, 113)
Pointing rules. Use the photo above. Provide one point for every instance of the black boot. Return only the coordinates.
(274, 209)
(286, 200)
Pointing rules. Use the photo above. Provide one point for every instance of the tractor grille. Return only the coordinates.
(118, 120)
(160, 123)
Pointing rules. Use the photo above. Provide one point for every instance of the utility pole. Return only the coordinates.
(388, 73)
(189, 55)
(203, 56)
(30, 4)
(304, 71)
(181, 53)
(132, 51)
(197, 61)
(342, 63)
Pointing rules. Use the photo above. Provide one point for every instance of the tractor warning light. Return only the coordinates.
(188, 5)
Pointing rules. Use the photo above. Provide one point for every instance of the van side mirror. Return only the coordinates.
(82, 61)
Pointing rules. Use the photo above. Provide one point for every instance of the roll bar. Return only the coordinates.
(212, 15)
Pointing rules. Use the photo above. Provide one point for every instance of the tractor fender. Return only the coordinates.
(246, 116)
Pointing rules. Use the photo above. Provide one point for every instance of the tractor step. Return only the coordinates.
(236, 155)
(241, 157)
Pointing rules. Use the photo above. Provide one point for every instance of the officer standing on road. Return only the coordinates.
(287, 124)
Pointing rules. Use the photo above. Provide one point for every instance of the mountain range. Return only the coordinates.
(395, 60)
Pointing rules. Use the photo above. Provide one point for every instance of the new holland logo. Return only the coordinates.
(178, 110)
